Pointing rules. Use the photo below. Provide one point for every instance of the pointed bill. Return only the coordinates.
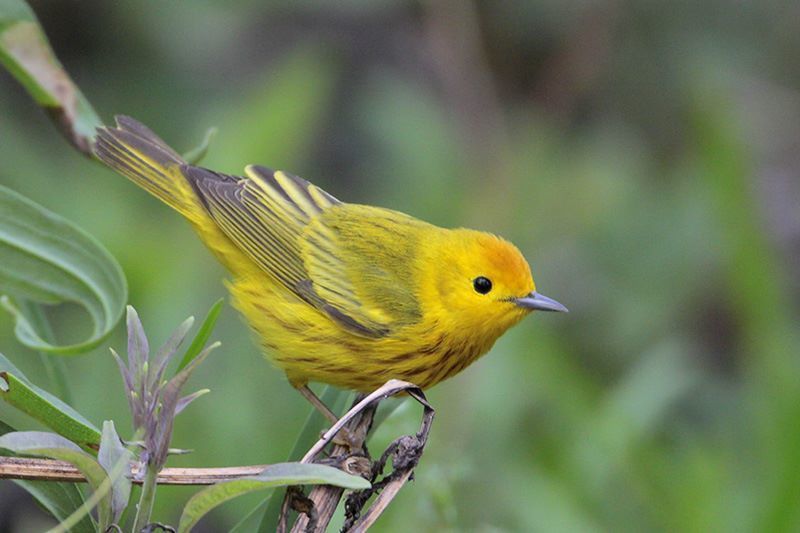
(539, 302)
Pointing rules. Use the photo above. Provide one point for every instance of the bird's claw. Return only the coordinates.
(345, 437)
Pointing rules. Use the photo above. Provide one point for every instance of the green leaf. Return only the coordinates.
(203, 334)
(26, 53)
(16, 390)
(60, 500)
(49, 260)
(54, 446)
(278, 475)
(334, 398)
(116, 460)
(196, 154)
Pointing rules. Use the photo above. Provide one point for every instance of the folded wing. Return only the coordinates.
(280, 222)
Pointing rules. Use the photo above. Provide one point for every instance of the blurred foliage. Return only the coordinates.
(642, 154)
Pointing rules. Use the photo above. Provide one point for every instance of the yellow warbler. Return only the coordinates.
(345, 294)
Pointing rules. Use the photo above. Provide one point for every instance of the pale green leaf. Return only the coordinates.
(49, 260)
(54, 446)
(116, 460)
(278, 475)
(58, 499)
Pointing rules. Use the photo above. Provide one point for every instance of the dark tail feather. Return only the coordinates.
(133, 150)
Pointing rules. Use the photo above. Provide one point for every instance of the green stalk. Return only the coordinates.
(145, 506)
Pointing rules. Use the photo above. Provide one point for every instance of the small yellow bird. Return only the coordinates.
(345, 294)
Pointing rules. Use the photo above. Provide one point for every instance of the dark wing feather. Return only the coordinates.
(266, 216)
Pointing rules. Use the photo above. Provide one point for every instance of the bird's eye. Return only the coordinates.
(482, 285)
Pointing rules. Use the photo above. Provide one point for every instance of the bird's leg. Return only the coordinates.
(309, 395)
(343, 437)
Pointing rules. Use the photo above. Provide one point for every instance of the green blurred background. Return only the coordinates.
(642, 154)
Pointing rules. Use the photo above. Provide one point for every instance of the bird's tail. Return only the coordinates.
(133, 150)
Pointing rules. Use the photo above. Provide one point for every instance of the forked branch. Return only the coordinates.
(404, 453)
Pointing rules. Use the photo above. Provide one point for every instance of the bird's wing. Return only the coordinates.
(269, 216)
(362, 258)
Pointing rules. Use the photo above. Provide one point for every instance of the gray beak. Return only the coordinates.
(539, 302)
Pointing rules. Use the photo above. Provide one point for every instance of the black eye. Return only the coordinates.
(482, 285)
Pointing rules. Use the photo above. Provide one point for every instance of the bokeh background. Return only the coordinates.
(644, 155)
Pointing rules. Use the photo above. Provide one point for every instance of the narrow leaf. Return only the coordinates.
(116, 461)
(16, 390)
(169, 404)
(27, 55)
(203, 334)
(184, 402)
(138, 347)
(60, 500)
(278, 475)
(49, 260)
(195, 155)
(167, 351)
(179, 380)
(54, 446)
(127, 377)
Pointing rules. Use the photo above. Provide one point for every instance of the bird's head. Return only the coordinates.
(484, 282)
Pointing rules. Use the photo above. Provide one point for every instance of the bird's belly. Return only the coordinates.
(308, 346)
(365, 364)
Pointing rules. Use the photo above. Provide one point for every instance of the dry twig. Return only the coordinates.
(52, 470)
(405, 453)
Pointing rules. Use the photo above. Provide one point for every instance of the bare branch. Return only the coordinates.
(52, 470)
(405, 453)
(381, 502)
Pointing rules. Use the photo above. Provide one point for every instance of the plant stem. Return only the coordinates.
(145, 507)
